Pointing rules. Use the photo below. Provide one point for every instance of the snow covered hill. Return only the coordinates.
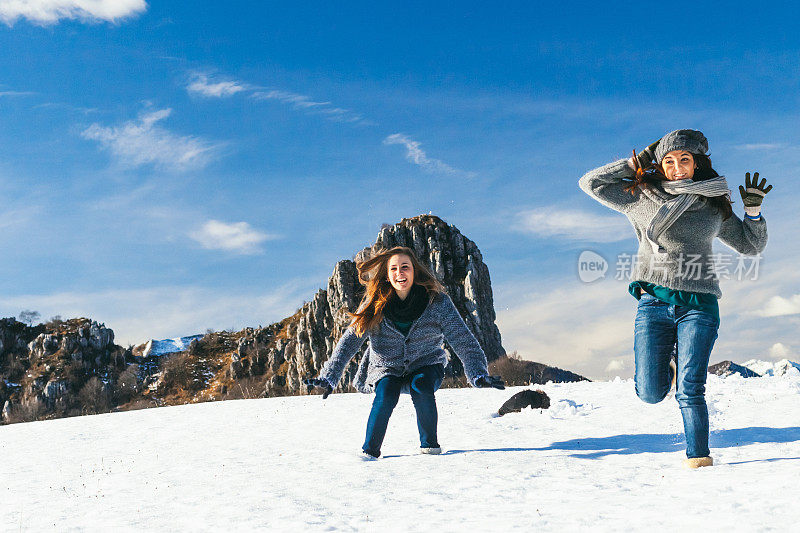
(769, 368)
(599, 459)
(155, 347)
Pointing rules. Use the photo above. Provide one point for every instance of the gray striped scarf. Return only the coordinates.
(686, 193)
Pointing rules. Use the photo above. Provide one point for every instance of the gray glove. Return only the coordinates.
(485, 382)
(323, 384)
(647, 157)
(753, 194)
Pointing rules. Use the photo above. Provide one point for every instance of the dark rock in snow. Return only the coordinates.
(727, 368)
(535, 399)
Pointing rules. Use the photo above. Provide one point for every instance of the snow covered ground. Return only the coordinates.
(599, 459)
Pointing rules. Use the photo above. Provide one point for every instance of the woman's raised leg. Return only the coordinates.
(653, 343)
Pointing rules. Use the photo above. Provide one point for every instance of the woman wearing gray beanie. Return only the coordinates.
(678, 205)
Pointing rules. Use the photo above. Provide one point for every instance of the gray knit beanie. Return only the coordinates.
(690, 140)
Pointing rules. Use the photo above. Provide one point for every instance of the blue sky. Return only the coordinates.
(167, 167)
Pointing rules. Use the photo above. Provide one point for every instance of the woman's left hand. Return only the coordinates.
(320, 383)
(485, 382)
(753, 194)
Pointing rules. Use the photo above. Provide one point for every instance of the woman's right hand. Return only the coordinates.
(323, 384)
(485, 382)
(646, 158)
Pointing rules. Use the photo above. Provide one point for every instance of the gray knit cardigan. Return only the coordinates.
(392, 353)
(688, 239)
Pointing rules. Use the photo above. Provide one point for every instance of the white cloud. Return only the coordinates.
(416, 155)
(220, 89)
(616, 365)
(143, 141)
(305, 103)
(46, 12)
(780, 351)
(238, 237)
(780, 306)
(137, 315)
(554, 221)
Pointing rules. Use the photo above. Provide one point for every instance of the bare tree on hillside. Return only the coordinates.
(29, 317)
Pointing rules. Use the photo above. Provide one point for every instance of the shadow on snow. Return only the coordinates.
(658, 442)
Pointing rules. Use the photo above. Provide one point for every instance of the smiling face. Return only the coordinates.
(678, 165)
(401, 274)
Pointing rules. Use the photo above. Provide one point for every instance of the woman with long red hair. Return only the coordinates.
(406, 315)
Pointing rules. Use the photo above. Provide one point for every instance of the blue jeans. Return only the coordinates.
(664, 329)
(421, 384)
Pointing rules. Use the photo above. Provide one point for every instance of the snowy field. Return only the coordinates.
(599, 459)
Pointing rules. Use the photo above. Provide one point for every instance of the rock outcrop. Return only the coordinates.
(45, 368)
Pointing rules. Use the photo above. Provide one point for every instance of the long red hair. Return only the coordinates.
(374, 275)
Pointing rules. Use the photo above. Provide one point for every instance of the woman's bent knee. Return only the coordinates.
(650, 396)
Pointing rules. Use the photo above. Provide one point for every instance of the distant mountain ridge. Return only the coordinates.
(755, 368)
(729, 368)
(772, 368)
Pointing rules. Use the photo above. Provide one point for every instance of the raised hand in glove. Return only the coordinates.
(646, 158)
(753, 194)
(323, 384)
(485, 382)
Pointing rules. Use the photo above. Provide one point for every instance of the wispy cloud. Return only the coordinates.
(143, 141)
(18, 218)
(16, 93)
(46, 12)
(237, 237)
(417, 155)
(761, 146)
(298, 100)
(554, 221)
(307, 104)
(70, 107)
(203, 86)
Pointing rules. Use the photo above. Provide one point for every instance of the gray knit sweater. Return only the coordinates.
(392, 353)
(688, 239)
